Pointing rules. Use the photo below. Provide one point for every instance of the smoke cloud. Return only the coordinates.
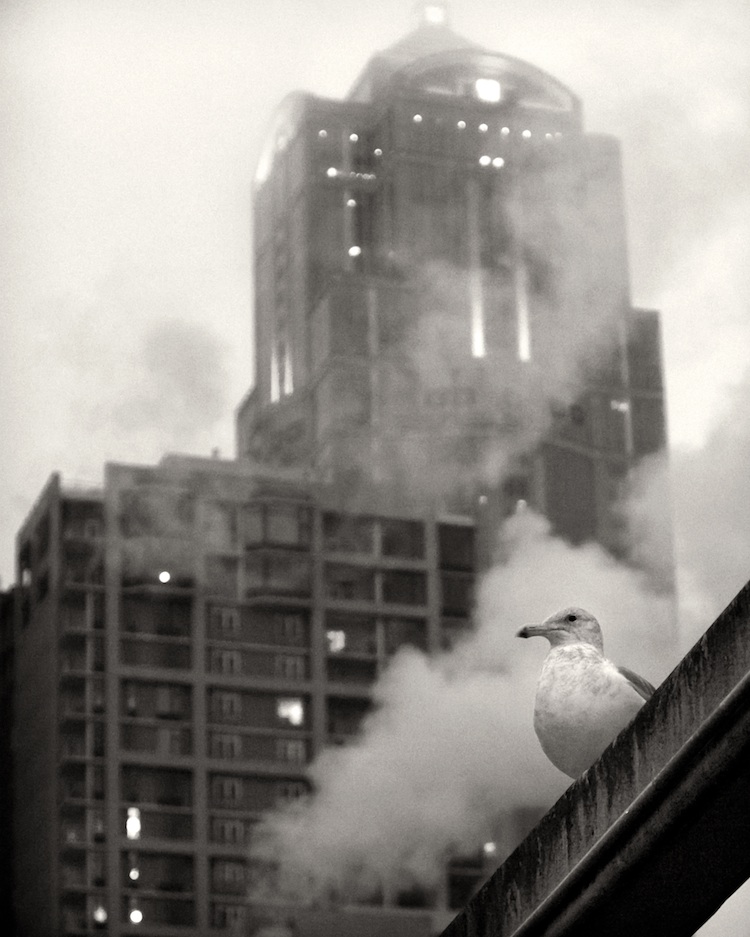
(450, 750)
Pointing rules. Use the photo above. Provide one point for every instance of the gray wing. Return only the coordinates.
(639, 684)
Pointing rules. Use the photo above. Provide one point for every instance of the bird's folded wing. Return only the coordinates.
(639, 684)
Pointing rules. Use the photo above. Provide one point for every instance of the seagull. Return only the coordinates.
(582, 700)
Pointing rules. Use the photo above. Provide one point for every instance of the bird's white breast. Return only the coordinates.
(582, 702)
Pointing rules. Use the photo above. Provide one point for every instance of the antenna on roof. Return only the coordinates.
(431, 14)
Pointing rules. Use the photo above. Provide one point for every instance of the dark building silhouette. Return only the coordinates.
(443, 331)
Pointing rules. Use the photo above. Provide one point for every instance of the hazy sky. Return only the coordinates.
(132, 128)
(131, 131)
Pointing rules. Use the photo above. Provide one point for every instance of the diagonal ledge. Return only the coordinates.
(654, 836)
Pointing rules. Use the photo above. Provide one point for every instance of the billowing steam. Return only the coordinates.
(450, 750)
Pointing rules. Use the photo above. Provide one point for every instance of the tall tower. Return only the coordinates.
(442, 300)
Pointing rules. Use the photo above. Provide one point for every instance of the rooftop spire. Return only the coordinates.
(431, 14)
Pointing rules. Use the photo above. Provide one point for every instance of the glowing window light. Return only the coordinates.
(322, 134)
(498, 162)
(526, 134)
(134, 874)
(417, 118)
(483, 128)
(136, 916)
(461, 125)
(100, 914)
(164, 576)
(487, 89)
(489, 849)
(291, 710)
(485, 160)
(355, 250)
(548, 136)
(377, 151)
(505, 131)
(133, 823)
(332, 172)
(351, 203)
(354, 137)
(619, 406)
(336, 641)
(522, 314)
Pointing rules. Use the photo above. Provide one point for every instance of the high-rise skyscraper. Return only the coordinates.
(442, 300)
(443, 330)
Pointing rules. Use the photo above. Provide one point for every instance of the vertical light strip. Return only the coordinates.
(476, 293)
(522, 310)
(275, 389)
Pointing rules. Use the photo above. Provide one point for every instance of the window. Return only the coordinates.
(351, 634)
(228, 875)
(457, 593)
(404, 588)
(349, 582)
(225, 662)
(227, 705)
(290, 629)
(225, 621)
(290, 666)
(288, 524)
(289, 791)
(291, 750)
(227, 791)
(402, 538)
(291, 710)
(226, 745)
(456, 546)
(344, 534)
(228, 830)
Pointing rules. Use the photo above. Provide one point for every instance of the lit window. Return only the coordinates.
(417, 118)
(548, 136)
(461, 125)
(100, 914)
(292, 710)
(619, 406)
(133, 823)
(332, 172)
(353, 137)
(378, 151)
(336, 641)
(351, 203)
(483, 128)
(485, 160)
(489, 849)
(136, 916)
(355, 251)
(498, 161)
(487, 89)
(164, 576)
(526, 134)
(322, 134)
(505, 131)
(134, 874)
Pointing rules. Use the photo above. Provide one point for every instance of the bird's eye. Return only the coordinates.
(572, 618)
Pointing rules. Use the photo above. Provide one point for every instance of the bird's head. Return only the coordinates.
(568, 626)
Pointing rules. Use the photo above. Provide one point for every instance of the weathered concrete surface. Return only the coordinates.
(656, 834)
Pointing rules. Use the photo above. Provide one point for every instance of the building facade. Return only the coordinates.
(443, 330)
(442, 298)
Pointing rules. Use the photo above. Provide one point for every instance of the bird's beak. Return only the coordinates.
(533, 631)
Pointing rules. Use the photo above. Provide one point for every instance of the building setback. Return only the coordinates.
(443, 331)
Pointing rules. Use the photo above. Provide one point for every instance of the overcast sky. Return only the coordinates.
(132, 128)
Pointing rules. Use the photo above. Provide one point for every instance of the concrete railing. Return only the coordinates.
(656, 834)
